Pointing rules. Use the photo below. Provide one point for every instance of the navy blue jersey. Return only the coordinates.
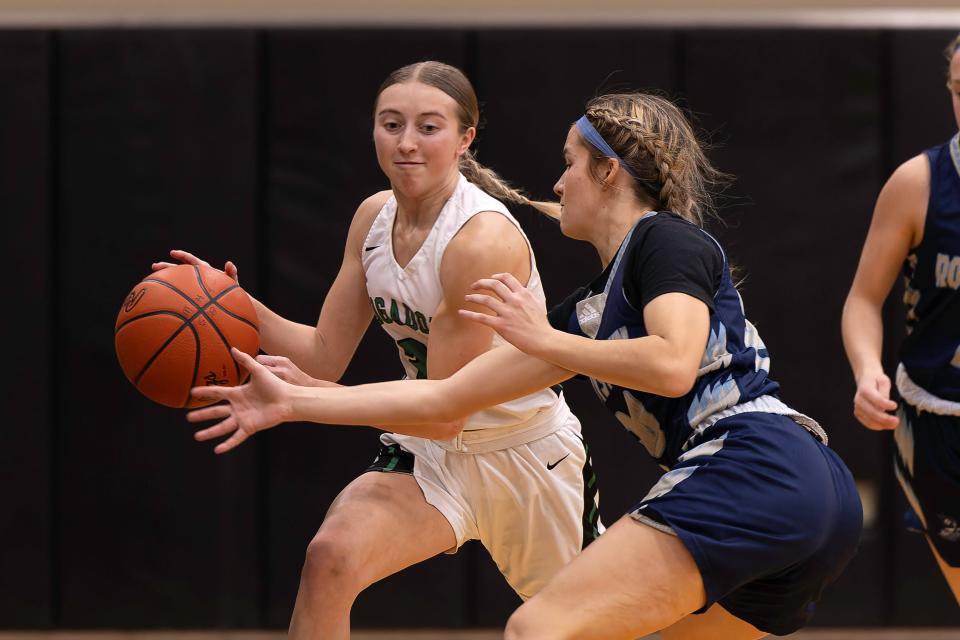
(931, 351)
(664, 253)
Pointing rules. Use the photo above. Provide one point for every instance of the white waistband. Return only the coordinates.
(542, 423)
(922, 399)
(764, 404)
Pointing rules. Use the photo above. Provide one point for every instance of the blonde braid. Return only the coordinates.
(654, 138)
(490, 182)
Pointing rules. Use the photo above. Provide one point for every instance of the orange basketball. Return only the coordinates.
(175, 330)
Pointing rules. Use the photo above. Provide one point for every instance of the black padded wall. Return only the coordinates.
(27, 472)
(157, 138)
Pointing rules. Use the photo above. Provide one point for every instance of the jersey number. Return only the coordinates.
(416, 353)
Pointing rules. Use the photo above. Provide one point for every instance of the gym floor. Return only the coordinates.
(813, 634)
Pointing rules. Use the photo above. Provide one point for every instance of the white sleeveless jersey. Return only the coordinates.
(405, 299)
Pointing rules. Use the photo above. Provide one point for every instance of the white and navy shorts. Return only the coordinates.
(534, 506)
(770, 514)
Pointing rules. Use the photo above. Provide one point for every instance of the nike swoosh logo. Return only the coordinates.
(551, 466)
(371, 248)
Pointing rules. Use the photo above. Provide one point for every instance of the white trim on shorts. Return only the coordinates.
(921, 399)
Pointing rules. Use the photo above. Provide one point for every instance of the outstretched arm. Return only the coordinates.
(497, 376)
(897, 226)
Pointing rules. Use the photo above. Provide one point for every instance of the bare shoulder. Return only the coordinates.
(488, 243)
(912, 177)
(487, 233)
(370, 207)
(903, 201)
(363, 218)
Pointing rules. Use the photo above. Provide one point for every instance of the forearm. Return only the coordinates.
(299, 342)
(497, 376)
(396, 403)
(433, 428)
(862, 328)
(647, 364)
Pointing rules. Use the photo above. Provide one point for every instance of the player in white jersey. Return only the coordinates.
(515, 476)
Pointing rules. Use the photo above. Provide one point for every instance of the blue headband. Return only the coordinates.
(596, 141)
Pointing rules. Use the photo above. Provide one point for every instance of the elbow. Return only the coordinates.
(449, 430)
(447, 414)
(677, 383)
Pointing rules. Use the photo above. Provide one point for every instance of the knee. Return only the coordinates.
(525, 624)
(327, 563)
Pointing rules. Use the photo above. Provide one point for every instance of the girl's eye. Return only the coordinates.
(430, 128)
(391, 126)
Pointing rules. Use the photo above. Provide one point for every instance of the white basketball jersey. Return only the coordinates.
(405, 299)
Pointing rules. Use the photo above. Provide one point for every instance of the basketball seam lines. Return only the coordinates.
(148, 314)
(188, 322)
(203, 287)
(196, 364)
(156, 355)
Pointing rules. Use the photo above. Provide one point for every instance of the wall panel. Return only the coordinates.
(27, 530)
(158, 152)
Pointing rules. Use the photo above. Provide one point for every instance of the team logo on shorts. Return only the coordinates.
(949, 529)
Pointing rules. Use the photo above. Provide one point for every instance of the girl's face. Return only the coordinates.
(417, 136)
(580, 195)
(954, 86)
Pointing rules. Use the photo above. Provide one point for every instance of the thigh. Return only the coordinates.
(632, 581)
(536, 507)
(384, 524)
(716, 623)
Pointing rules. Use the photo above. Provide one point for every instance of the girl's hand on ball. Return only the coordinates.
(185, 257)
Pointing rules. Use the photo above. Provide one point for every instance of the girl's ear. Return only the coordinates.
(466, 140)
(613, 168)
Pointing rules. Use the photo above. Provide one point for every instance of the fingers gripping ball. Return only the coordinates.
(175, 329)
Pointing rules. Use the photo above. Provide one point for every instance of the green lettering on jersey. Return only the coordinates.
(409, 317)
(395, 312)
(422, 324)
(416, 353)
(379, 308)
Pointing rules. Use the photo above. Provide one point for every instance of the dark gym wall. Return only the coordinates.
(27, 474)
(255, 146)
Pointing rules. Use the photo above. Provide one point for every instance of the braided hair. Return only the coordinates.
(652, 136)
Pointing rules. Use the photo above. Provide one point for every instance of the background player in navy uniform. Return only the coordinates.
(916, 228)
(755, 515)
(411, 255)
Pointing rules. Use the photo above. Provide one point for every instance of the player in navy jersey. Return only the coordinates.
(916, 228)
(755, 514)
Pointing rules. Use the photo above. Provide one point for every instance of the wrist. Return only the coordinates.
(867, 371)
(293, 402)
(544, 344)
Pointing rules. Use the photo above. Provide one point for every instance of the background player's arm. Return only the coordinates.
(897, 225)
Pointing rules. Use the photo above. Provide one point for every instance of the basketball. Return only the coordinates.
(175, 329)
